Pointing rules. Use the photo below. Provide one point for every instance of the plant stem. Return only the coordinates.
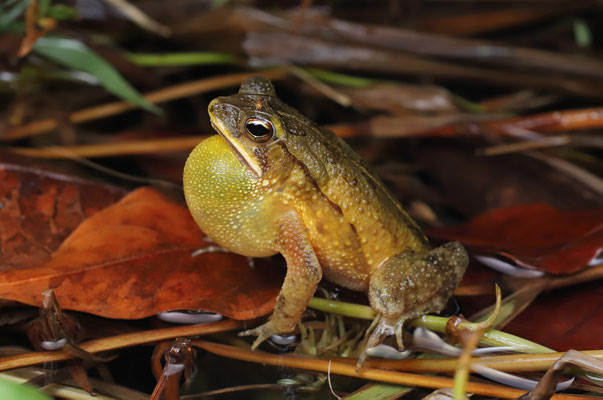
(341, 368)
(342, 308)
(157, 96)
(118, 342)
(180, 59)
(437, 324)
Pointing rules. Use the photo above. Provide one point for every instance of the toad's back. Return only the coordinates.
(354, 223)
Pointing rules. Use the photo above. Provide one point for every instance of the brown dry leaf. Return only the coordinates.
(39, 207)
(564, 319)
(534, 235)
(547, 385)
(133, 259)
(401, 98)
(32, 19)
(473, 184)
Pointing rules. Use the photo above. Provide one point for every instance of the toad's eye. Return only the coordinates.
(260, 130)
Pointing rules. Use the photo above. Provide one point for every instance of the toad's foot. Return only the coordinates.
(381, 328)
(411, 284)
(262, 332)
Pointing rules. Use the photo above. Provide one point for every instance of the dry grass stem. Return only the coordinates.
(349, 369)
(151, 146)
(155, 97)
(118, 342)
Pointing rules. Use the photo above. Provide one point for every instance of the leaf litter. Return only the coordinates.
(134, 258)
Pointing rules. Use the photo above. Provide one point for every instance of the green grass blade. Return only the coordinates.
(378, 391)
(74, 54)
(62, 12)
(582, 33)
(10, 15)
(180, 59)
(9, 390)
(336, 78)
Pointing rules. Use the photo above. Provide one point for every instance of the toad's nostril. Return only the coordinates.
(215, 107)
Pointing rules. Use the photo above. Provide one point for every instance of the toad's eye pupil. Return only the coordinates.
(259, 128)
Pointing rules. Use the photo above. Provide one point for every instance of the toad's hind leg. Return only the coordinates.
(412, 284)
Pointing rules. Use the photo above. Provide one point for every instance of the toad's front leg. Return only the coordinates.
(303, 275)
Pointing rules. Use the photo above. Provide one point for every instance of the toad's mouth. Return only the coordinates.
(237, 149)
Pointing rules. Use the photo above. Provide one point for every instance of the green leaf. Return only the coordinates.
(215, 4)
(74, 54)
(9, 390)
(9, 15)
(43, 6)
(180, 59)
(337, 78)
(378, 391)
(62, 12)
(582, 33)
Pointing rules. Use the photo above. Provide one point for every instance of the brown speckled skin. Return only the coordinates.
(306, 194)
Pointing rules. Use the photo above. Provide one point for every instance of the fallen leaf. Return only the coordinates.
(39, 207)
(474, 184)
(548, 384)
(133, 259)
(564, 319)
(402, 99)
(533, 235)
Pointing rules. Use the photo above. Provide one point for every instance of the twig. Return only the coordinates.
(470, 337)
(152, 146)
(118, 342)
(542, 143)
(566, 120)
(329, 380)
(585, 177)
(525, 145)
(69, 153)
(507, 363)
(426, 44)
(329, 92)
(548, 384)
(141, 19)
(520, 362)
(492, 337)
(339, 368)
(233, 389)
(155, 97)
